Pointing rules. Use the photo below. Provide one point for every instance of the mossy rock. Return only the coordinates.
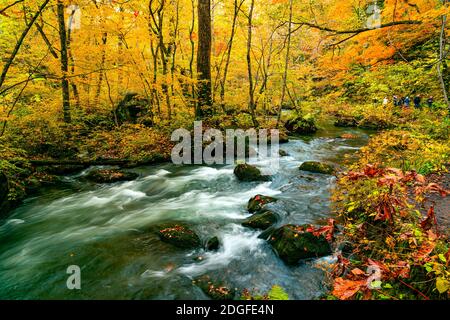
(283, 137)
(4, 189)
(293, 243)
(301, 125)
(317, 167)
(262, 221)
(215, 290)
(246, 172)
(179, 236)
(213, 244)
(346, 122)
(258, 202)
(283, 153)
(111, 176)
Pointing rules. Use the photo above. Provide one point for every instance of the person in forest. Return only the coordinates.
(407, 102)
(417, 102)
(385, 102)
(395, 100)
(430, 102)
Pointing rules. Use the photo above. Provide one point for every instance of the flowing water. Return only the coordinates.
(108, 230)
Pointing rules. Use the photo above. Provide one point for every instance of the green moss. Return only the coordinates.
(317, 167)
(293, 243)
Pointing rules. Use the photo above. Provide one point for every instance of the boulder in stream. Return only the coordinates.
(293, 243)
(317, 167)
(179, 236)
(248, 173)
(261, 220)
(258, 202)
(214, 290)
(212, 244)
(301, 125)
(111, 176)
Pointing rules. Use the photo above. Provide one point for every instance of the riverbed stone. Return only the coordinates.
(248, 173)
(179, 236)
(317, 167)
(258, 202)
(111, 176)
(214, 289)
(262, 220)
(213, 244)
(301, 125)
(283, 153)
(293, 243)
(346, 121)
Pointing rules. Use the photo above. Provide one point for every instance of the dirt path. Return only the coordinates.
(441, 204)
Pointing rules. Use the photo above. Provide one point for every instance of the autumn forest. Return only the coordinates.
(352, 204)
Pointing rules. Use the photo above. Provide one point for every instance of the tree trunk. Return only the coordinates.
(204, 57)
(286, 66)
(191, 60)
(64, 62)
(237, 7)
(251, 104)
(442, 56)
(71, 59)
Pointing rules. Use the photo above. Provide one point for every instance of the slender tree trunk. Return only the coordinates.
(176, 24)
(237, 7)
(191, 60)
(286, 66)
(64, 62)
(204, 57)
(251, 104)
(20, 42)
(102, 65)
(442, 57)
(163, 55)
(71, 59)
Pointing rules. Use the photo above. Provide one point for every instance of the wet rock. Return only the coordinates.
(179, 236)
(293, 243)
(64, 169)
(133, 109)
(262, 221)
(258, 202)
(212, 244)
(283, 137)
(301, 125)
(215, 290)
(317, 167)
(4, 190)
(283, 153)
(111, 176)
(246, 172)
(346, 122)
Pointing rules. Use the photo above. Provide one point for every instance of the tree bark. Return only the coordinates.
(64, 62)
(251, 103)
(237, 7)
(204, 57)
(442, 56)
(286, 66)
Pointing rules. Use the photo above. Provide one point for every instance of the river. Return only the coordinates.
(108, 230)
